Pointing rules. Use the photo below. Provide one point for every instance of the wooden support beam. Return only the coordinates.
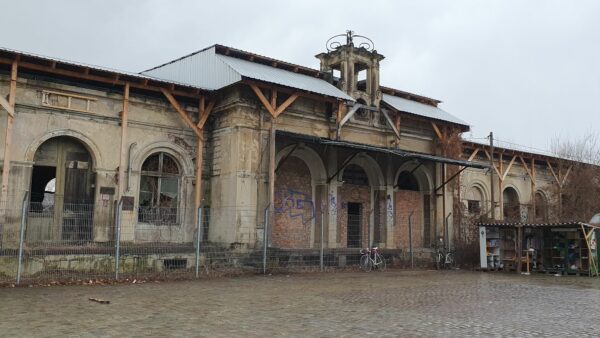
(4, 104)
(526, 168)
(182, 112)
(494, 165)
(473, 154)
(512, 161)
(198, 178)
(391, 124)
(9, 131)
(271, 220)
(274, 99)
(123, 152)
(438, 132)
(204, 114)
(286, 104)
(553, 173)
(263, 100)
(564, 178)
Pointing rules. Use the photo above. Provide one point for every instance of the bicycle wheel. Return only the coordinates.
(449, 260)
(380, 261)
(365, 263)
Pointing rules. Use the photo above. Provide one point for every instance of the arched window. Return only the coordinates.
(512, 206)
(408, 181)
(159, 190)
(474, 200)
(354, 174)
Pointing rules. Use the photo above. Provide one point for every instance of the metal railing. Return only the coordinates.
(83, 242)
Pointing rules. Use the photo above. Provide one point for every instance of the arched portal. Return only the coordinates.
(412, 199)
(511, 205)
(62, 191)
(295, 211)
(361, 203)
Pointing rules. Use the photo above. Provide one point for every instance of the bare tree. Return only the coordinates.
(579, 197)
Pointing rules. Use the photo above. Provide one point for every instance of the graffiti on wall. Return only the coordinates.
(332, 205)
(390, 207)
(295, 204)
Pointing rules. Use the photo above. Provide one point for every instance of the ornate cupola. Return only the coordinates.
(354, 69)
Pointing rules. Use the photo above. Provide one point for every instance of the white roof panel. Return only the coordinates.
(209, 70)
(283, 77)
(421, 109)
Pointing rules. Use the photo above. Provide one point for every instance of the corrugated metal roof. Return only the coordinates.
(207, 69)
(201, 69)
(397, 152)
(417, 108)
(94, 67)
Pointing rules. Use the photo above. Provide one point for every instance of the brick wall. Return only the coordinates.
(294, 207)
(354, 194)
(407, 201)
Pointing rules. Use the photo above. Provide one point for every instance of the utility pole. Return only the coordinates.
(493, 204)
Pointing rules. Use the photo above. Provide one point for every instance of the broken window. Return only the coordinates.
(159, 190)
(474, 207)
(43, 187)
(408, 181)
(354, 174)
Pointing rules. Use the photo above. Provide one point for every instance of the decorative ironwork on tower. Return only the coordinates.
(354, 68)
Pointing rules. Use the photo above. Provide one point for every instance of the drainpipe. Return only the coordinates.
(129, 166)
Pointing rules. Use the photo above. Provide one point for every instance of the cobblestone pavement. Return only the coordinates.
(392, 303)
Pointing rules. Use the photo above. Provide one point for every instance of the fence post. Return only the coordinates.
(118, 237)
(265, 228)
(322, 235)
(198, 240)
(412, 261)
(22, 235)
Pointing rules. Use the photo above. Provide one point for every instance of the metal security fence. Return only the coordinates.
(81, 241)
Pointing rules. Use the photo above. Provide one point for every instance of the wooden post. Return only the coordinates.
(8, 136)
(272, 175)
(123, 157)
(203, 113)
(199, 158)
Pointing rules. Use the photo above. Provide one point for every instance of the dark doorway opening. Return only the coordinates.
(43, 187)
(354, 220)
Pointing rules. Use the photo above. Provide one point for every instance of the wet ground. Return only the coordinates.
(391, 303)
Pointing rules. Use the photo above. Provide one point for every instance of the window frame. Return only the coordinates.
(159, 175)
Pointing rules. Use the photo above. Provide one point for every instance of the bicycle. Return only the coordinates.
(444, 259)
(371, 258)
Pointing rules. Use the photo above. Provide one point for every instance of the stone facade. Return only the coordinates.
(312, 198)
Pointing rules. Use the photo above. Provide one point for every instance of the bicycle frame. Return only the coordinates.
(374, 258)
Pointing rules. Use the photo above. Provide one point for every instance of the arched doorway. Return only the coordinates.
(511, 205)
(412, 202)
(62, 191)
(356, 178)
(294, 207)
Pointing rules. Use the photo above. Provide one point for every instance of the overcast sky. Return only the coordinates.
(527, 70)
